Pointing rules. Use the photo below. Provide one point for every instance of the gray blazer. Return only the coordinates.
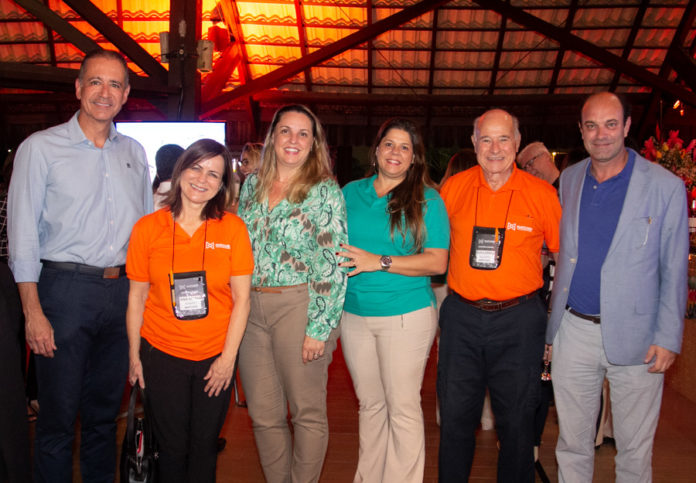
(644, 276)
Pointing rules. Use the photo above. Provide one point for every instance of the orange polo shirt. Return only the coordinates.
(533, 216)
(227, 254)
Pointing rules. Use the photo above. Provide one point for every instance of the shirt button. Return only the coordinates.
(565, 289)
(594, 187)
(573, 260)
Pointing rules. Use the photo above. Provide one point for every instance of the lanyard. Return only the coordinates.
(205, 239)
(507, 210)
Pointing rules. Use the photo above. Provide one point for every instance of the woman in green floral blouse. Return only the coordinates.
(296, 217)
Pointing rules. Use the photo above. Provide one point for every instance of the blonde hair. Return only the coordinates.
(315, 169)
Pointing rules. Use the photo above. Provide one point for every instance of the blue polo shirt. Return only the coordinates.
(600, 208)
(380, 294)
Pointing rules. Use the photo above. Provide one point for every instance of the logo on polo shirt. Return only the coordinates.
(213, 245)
(515, 227)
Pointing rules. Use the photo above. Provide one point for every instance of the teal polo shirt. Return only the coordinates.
(380, 294)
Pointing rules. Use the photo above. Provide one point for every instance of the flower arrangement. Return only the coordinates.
(674, 156)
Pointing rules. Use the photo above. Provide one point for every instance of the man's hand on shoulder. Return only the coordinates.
(662, 359)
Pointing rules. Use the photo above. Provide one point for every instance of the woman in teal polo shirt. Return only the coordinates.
(398, 232)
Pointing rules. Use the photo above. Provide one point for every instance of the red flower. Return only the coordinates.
(674, 141)
(649, 150)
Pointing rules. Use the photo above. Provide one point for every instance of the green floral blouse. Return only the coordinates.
(297, 243)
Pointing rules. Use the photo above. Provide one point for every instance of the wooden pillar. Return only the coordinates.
(184, 33)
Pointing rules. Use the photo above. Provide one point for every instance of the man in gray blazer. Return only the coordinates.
(619, 296)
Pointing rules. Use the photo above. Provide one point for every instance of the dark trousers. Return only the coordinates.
(499, 350)
(14, 430)
(86, 376)
(186, 421)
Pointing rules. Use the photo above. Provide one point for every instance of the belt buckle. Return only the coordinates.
(111, 272)
(491, 305)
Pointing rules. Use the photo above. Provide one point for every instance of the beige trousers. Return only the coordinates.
(274, 376)
(386, 357)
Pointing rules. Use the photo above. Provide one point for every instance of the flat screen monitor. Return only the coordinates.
(153, 135)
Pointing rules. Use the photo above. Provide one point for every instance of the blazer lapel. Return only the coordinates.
(635, 197)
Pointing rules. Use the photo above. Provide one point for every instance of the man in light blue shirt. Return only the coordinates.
(76, 191)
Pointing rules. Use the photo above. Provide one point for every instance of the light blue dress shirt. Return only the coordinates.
(70, 201)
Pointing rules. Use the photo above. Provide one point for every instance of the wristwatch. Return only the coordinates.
(385, 262)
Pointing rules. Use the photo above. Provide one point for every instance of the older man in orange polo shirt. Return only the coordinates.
(493, 323)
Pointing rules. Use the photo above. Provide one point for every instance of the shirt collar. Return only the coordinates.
(77, 136)
(623, 174)
(512, 183)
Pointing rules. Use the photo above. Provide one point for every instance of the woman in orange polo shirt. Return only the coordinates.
(189, 266)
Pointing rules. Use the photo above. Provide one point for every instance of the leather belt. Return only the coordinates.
(595, 319)
(488, 305)
(280, 289)
(107, 272)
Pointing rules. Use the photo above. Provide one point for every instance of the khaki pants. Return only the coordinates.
(386, 357)
(273, 376)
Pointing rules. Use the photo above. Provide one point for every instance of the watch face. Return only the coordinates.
(385, 261)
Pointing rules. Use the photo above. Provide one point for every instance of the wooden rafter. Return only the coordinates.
(56, 23)
(630, 41)
(370, 48)
(276, 77)
(230, 13)
(498, 53)
(598, 54)
(572, 10)
(650, 116)
(302, 37)
(123, 42)
(433, 51)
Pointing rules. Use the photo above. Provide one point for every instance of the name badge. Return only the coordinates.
(189, 292)
(486, 248)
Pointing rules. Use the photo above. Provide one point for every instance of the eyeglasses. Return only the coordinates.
(530, 164)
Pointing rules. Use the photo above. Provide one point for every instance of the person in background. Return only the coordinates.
(536, 159)
(619, 295)
(189, 266)
(165, 159)
(76, 191)
(399, 236)
(296, 217)
(492, 324)
(460, 161)
(250, 159)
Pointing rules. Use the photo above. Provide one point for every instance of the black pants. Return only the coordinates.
(186, 421)
(501, 351)
(14, 431)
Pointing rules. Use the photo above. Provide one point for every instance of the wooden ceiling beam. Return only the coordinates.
(652, 114)
(498, 53)
(637, 22)
(436, 100)
(598, 54)
(572, 10)
(370, 48)
(123, 42)
(230, 12)
(55, 22)
(276, 77)
(47, 78)
(302, 38)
